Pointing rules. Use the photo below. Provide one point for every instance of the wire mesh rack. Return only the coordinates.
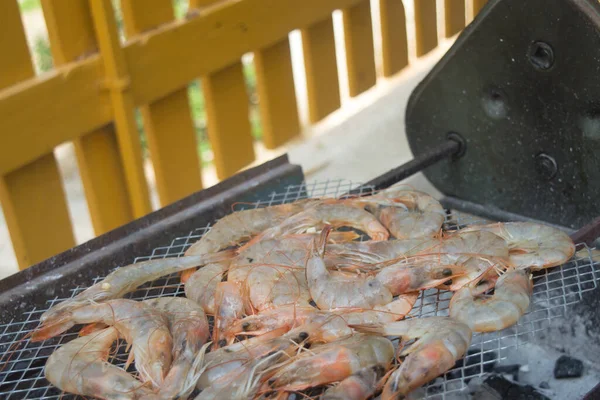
(22, 366)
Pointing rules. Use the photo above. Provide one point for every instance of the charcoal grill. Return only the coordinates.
(506, 126)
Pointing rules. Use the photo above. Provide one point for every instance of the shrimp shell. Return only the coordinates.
(333, 362)
(406, 213)
(441, 341)
(201, 286)
(359, 386)
(143, 327)
(233, 228)
(511, 299)
(336, 291)
(532, 245)
(126, 279)
(80, 367)
(190, 331)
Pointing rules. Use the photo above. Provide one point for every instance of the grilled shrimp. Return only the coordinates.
(441, 341)
(482, 313)
(327, 213)
(229, 308)
(80, 367)
(359, 386)
(417, 275)
(126, 279)
(334, 291)
(333, 362)
(231, 359)
(271, 272)
(406, 213)
(328, 326)
(201, 286)
(532, 245)
(234, 228)
(390, 312)
(373, 252)
(190, 331)
(145, 329)
(245, 382)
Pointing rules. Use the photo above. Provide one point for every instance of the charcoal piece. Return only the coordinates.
(510, 390)
(568, 367)
(512, 370)
(544, 385)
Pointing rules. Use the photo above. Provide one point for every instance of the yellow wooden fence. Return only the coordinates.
(91, 95)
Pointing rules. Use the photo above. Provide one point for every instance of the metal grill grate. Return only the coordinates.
(22, 377)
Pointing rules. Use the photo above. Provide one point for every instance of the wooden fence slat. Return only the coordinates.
(276, 93)
(71, 34)
(425, 26)
(322, 82)
(360, 52)
(118, 83)
(219, 37)
(168, 122)
(227, 116)
(394, 41)
(454, 15)
(478, 5)
(32, 196)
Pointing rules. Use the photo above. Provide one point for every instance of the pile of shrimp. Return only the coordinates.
(281, 302)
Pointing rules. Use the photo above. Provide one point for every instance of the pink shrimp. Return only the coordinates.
(143, 327)
(441, 341)
(333, 362)
(126, 279)
(201, 286)
(80, 367)
(229, 308)
(190, 331)
(331, 213)
(359, 386)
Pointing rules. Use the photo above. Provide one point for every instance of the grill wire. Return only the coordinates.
(22, 363)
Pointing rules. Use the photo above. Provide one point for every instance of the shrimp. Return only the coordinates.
(229, 308)
(190, 331)
(333, 362)
(419, 275)
(126, 279)
(327, 213)
(202, 285)
(233, 228)
(271, 272)
(330, 326)
(390, 312)
(80, 367)
(406, 213)
(511, 299)
(245, 382)
(359, 386)
(145, 329)
(532, 245)
(372, 252)
(441, 341)
(333, 291)
(231, 359)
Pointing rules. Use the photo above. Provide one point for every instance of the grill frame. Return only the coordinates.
(552, 285)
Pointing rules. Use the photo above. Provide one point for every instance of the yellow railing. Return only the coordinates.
(91, 96)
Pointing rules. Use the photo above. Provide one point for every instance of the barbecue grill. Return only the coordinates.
(506, 126)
